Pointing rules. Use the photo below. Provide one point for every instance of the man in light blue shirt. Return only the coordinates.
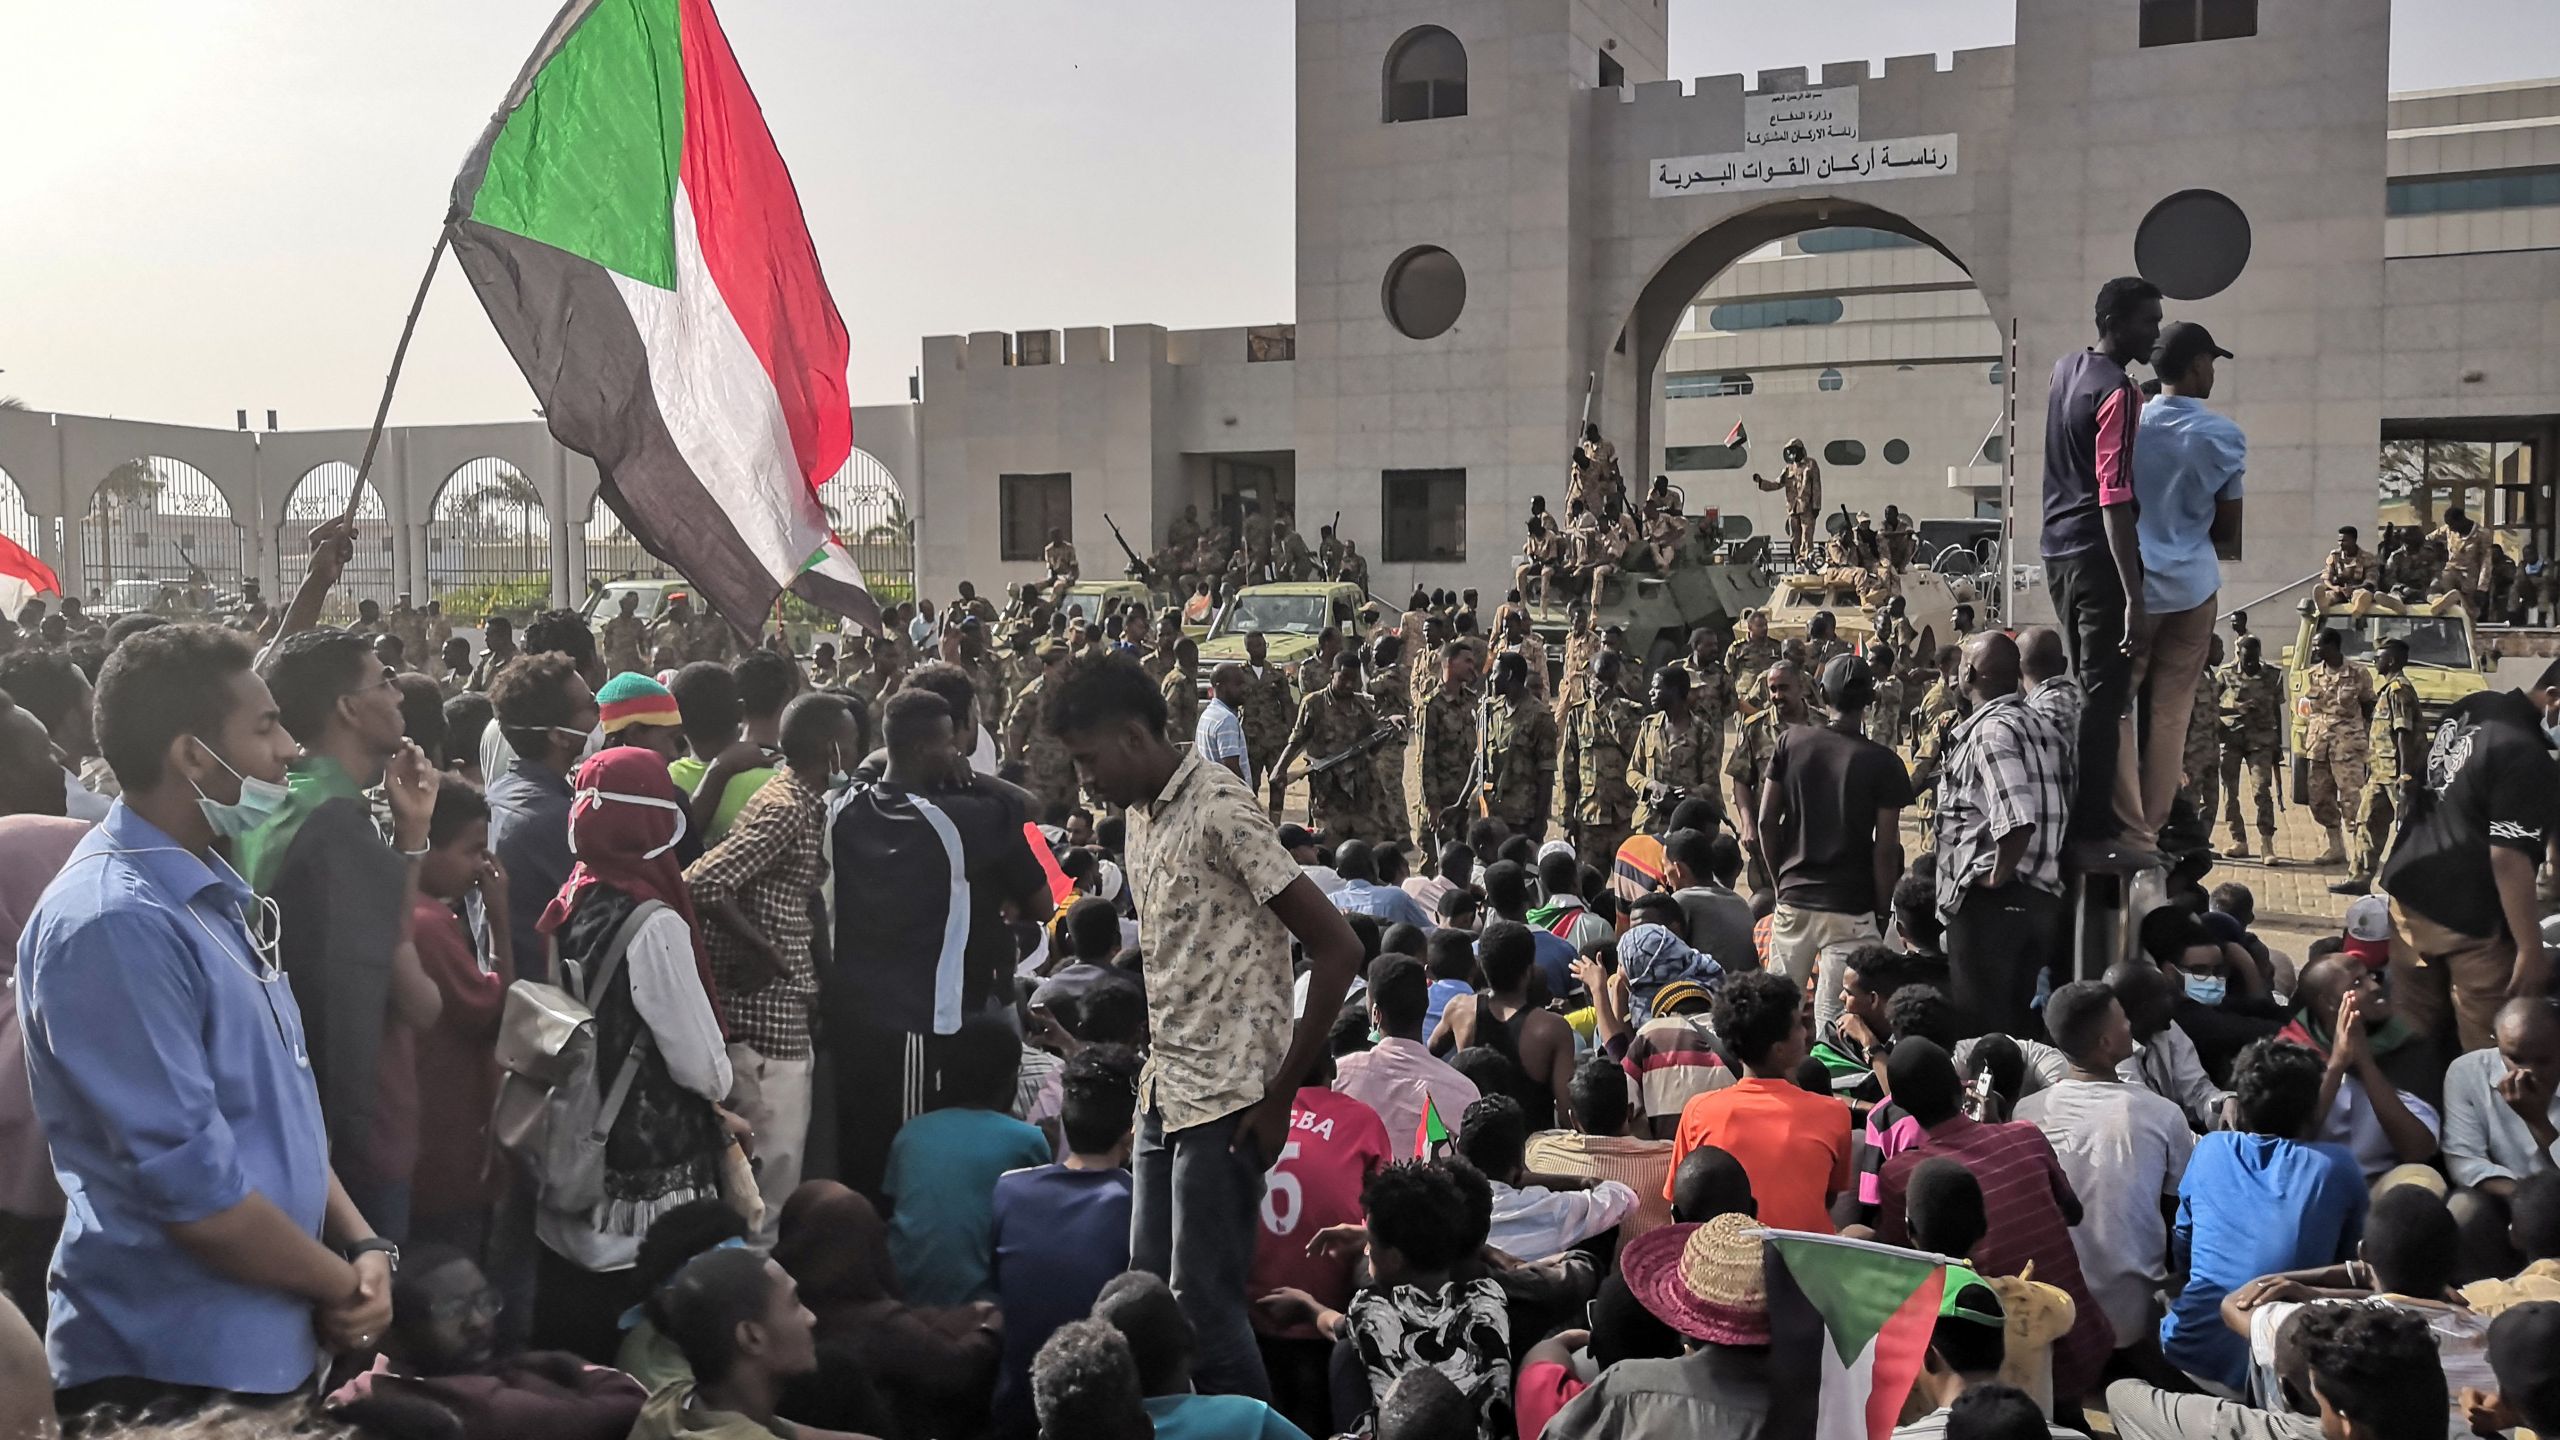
(1356, 861)
(169, 1069)
(1219, 736)
(2187, 462)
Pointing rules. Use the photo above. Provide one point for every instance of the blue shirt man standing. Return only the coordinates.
(208, 1247)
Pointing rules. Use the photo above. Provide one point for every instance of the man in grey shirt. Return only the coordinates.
(1701, 868)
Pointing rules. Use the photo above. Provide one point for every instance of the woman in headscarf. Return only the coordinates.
(933, 1367)
(655, 1012)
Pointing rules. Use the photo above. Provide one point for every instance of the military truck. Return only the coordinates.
(1290, 615)
(2446, 662)
(1710, 583)
(1929, 601)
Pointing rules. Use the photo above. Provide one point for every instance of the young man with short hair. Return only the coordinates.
(1602, 1145)
(1537, 1041)
(1062, 1230)
(2502, 1125)
(1220, 900)
(738, 1319)
(1830, 827)
(1142, 1308)
(202, 1175)
(1795, 1144)
(1397, 1077)
(1960, 1377)
(547, 713)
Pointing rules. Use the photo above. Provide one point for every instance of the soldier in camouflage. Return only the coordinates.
(1517, 636)
(1316, 671)
(1888, 715)
(1631, 676)
(1943, 705)
(2202, 770)
(1158, 661)
(1520, 745)
(1270, 705)
(2248, 699)
(1711, 693)
(1599, 737)
(1181, 688)
(1677, 751)
(2395, 762)
(1394, 704)
(1049, 773)
(2338, 696)
(625, 637)
(1822, 641)
(1445, 751)
(1747, 658)
(1345, 802)
(1580, 644)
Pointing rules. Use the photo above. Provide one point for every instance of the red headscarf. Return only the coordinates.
(612, 833)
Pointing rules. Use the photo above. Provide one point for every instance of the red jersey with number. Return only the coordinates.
(1335, 1144)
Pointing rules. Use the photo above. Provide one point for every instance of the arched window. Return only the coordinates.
(1426, 76)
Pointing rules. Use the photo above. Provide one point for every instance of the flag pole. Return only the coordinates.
(399, 353)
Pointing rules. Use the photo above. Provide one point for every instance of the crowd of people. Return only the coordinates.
(629, 1032)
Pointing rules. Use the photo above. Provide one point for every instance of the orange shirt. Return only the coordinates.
(1792, 1143)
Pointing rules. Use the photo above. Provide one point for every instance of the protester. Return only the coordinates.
(1142, 1308)
(35, 838)
(2000, 816)
(48, 687)
(1365, 892)
(1336, 1144)
(2345, 1013)
(203, 1176)
(1085, 1386)
(1961, 1376)
(1219, 900)
(1701, 868)
(1566, 1363)
(943, 1166)
(1705, 1281)
(2165, 1061)
(1830, 826)
(1602, 1146)
(545, 714)
(459, 1174)
(643, 981)
(753, 889)
(2501, 1124)
(1675, 1056)
(932, 1367)
(1538, 1043)
(1398, 1077)
(1794, 1145)
(1506, 895)
(738, 1318)
(1532, 1221)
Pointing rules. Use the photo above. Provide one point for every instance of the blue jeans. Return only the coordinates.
(1193, 1222)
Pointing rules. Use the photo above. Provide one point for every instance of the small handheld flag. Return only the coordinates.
(1431, 1133)
(1852, 1319)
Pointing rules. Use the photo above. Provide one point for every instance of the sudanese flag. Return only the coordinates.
(635, 238)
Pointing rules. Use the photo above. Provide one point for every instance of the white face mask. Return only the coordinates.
(585, 796)
(594, 739)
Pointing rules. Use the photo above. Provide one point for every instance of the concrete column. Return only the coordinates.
(555, 499)
(391, 482)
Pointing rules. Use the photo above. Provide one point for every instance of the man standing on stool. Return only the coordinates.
(2338, 696)
(2392, 763)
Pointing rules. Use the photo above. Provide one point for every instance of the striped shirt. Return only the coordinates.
(2024, 1197)
(1220, 736)
(1673, 1058)
(2006, 768)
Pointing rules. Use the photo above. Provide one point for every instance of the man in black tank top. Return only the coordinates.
(1538, 1044)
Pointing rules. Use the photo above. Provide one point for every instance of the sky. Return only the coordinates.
(213, 206)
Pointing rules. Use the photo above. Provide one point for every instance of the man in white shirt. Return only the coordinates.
(2501, 1124)
(1398, 1076)
(2124, 1149)
(1534, 1221)
(2164, 1060)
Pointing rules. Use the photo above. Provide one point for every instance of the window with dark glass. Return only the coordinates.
(2185, 22)
(1426, 514)
(1612, 74)
(1029, 507)
(1775, 314)
(1426, 76)
(1834, 239)
(1830, 380)
(1702, 457)
(1896, 451)
(1844, 453)
(2448, 194)
(1701, 384)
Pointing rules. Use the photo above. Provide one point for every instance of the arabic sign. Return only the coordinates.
(1841, 162)
(1800, 117)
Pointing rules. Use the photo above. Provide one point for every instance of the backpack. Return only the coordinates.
(550, 1115)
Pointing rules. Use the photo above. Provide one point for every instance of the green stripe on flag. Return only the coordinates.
(1857, 1288)
(587, 163)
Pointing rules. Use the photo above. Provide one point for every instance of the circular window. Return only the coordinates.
(1844, 453)
(1830, 380)
(1895, 452)
(1994, 450)
(1999, 371)
(2192, 245)
(1425, 290)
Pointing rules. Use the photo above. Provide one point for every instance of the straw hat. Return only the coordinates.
(1706, 1281)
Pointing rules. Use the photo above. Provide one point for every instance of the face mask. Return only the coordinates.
(588, 795)
(2205, 989)
(593, 740)
(259, 802)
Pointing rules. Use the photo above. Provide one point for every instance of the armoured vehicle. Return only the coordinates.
(1722, 572)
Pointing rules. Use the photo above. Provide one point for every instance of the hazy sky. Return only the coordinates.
(213, 204)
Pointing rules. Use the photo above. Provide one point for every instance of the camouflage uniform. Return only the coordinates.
(2466, 564)
(708, 637)
(411, 627)
(1533, 650)
(1746, 658)
(2249, 711)
(2334, 741)
(1270, 705)
(1155, 663)
(1711, 695)
(1578, 650)
(1387, 696)
(2203, 748)
(1941, 706)
(1049, 772)
(988, 679)
(1598, 738)
(868, 688)
(1816, 652)
(1445, 754)
(625, 639)
(1887, 714)
(1345, 802)
(2342, 574)
(1520, 744)
(1683, 757)
(2395, 709)
(1181, 707)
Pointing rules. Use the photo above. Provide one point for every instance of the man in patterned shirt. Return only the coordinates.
(2002, 804)
(752, 892)
(1219, 901)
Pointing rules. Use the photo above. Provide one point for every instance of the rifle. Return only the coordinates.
(1367, 744)
(1333, 568)
(1139, 570)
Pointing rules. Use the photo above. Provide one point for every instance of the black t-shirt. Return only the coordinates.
(1830, 785)
(898, 943)
(2490, 780)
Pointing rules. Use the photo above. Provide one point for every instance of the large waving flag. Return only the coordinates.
(1853, 1317)
(636, 240)
(18, 564)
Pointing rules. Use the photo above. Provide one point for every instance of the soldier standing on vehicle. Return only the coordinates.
(2249, 704)
(1748, 765)
(1355, 566)
(1270, 705)
(1328, 553)
(1678, 750)
(624, 637)
(1755, 652)
(2394, 763)
(1064, 569)
(1901, 539)
(2338, 696)
(1344, 803)
(2202, 769)
(1446, 745)
(2346, 571)
(1599, 736)
(1519, 751)
(1888, 713)
(1802, 480)
(1389, 695)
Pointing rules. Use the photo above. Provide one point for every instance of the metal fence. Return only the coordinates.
(869, 514)
(613, 553)
(321, 494)
(488, 529)
(157, 532)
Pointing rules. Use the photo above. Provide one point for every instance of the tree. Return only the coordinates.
(504, 502)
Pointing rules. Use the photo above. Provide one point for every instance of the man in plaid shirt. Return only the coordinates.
(752, 892)
(2003, 799)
